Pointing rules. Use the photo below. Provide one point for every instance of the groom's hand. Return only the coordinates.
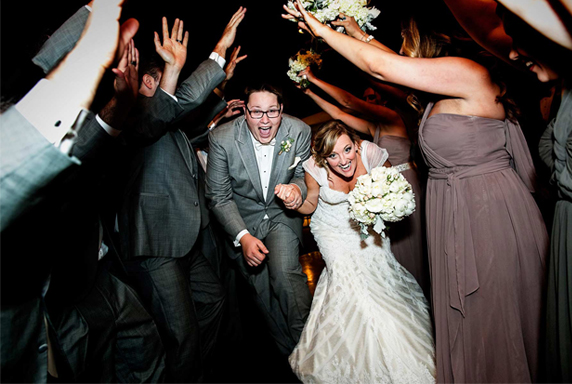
(253, 249)
(290, 194)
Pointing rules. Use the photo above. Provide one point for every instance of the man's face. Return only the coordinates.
(263, 129)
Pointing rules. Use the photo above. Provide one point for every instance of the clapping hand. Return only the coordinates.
(290, 194)
(174, 48)
(126, 74)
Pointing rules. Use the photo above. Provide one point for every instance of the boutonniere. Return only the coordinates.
(286, 145)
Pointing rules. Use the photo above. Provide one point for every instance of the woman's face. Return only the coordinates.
(542, 71)
(343, 160)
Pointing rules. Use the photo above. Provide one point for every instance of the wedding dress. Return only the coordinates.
(369, 321)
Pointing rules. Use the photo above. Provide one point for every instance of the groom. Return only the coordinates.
(248, 158)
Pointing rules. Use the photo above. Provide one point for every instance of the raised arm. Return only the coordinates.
(378, 112)
(450, 76)
(336, 113)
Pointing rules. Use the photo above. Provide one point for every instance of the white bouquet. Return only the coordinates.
(299, 62)
(328, 10)
(383, 195)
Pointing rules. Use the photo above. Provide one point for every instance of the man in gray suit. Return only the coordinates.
(160, 215)
(248, 158)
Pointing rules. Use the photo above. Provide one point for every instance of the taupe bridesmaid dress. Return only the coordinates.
(407, 235)
(487, 246)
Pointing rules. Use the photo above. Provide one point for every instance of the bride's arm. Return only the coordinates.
(311, 202)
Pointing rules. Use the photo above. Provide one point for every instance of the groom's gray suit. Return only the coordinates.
(237, 200)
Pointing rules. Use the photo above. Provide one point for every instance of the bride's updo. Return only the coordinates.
(326, 138)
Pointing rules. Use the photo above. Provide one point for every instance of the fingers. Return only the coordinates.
(122, 65)
(234, 53)
(175, 30)
(186, 39)
(126, 32)
(237, 17)
(157, 42)
(165, 29)
(180, 32)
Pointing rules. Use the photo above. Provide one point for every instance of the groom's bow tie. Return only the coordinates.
(258, 145)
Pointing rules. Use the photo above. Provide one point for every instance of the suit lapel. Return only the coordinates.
(278, 160)
(246, 151)
(185, 148)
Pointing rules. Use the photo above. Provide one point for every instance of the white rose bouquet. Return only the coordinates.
(299, 62)
(328, 10)
(383, 195)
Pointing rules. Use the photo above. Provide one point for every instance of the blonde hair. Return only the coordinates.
(326, 138)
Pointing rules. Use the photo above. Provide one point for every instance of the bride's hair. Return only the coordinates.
(326, 138)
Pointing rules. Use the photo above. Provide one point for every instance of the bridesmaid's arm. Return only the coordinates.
(311, 202)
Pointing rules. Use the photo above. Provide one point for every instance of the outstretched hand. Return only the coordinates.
(174, 48)
(350, 25)
(290, 194)
(306, 21)
(229, 34)
(126, 74)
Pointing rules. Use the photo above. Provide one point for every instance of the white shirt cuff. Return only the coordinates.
(239, 236)
(108, 128)
(49, 111)
(88, 7)
(173, 96)
(219, 60)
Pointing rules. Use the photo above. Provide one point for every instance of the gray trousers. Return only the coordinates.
(186, 299)
(282, 293)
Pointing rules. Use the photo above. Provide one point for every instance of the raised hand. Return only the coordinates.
(253, 249)
(229, 33)
(126, 74)
(233, 107)
(127, 31)
(306, 21)
(174, 48)
(234, 59)
(290, 194)
(350, 25)
(308, 73)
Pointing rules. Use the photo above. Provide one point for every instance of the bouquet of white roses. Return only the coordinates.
(380, 196)
(299, 62)
(328, 10)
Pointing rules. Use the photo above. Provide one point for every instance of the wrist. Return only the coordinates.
(220, 49)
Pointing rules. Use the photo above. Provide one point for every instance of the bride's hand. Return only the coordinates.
(306, 21)
(290, 194)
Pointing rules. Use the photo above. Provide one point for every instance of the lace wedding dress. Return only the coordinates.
(369, 321)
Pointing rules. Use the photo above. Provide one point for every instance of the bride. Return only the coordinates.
(369, 321)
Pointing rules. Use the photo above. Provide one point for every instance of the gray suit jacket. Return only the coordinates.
(233, 181)
(160, 214)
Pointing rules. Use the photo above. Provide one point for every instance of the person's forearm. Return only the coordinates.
(169, 79)
(307, 208)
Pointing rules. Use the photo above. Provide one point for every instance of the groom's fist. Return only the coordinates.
(253, 249)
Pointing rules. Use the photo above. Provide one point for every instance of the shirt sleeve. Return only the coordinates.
(239, 236)
(219, 60)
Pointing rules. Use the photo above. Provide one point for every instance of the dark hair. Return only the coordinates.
(263, 87)
(151, 66)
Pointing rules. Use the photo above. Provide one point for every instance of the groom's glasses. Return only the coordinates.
(273, 113)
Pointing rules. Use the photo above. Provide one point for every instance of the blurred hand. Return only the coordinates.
(233, 107)
(306, 21)
(231, 65)
(126, 75)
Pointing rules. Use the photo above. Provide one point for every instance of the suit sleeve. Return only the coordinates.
(196, 88)
(62, 41)
(219, 190)
(91, 141)
(302, 151)
(29, 166)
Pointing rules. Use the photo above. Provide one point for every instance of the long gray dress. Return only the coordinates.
(487, 246)
(556, 151)
(407, 235)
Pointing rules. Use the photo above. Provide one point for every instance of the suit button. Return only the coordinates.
(43, 348)
(194, 175)
(196, 204)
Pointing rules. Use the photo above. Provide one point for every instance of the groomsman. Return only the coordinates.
(248, 158)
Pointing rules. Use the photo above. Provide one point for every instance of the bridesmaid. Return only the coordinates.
(388, 132)
(486, 237)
